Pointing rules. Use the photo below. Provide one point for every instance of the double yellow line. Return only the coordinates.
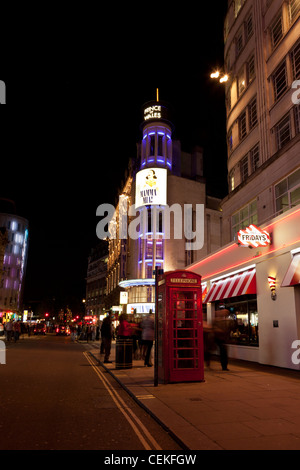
(140, 430)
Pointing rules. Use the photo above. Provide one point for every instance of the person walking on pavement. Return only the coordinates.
(124, 328)
(148, 336)
(106, 335)
(8, 329)
(16, 330)
(222, 325)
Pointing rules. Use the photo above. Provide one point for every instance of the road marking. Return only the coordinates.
(133, 420)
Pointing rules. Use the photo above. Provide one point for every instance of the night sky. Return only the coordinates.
(75, 93)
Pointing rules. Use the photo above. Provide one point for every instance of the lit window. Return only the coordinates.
(14, 225)
(241, 81)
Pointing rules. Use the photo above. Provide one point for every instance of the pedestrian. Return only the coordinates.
(16, 330)
(208, 342)
(222, 326)
(8, 329)
(147, 325)
(73, 332)
(124, 328)
(106, 335)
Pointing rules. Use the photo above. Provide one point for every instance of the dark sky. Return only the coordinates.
(75, 92)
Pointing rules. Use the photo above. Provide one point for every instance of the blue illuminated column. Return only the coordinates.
(157, 136)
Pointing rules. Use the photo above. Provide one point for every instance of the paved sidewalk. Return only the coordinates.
(250, 407)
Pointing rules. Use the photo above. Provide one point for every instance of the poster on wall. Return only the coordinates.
(151, 187)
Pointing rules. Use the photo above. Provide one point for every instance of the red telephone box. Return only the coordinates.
(180, 327)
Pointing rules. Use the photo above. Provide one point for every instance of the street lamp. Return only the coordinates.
(224, 76)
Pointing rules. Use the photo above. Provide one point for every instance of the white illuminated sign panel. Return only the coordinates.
(152, 112)
(151, 187)
(123, 298)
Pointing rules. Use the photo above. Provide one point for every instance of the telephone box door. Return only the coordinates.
(180, 327)
(186, 334)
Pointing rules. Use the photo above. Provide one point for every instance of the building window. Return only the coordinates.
(152, 145)
(276, 31)
(243, 218)
(244, 168)
(242, 125)
(252, 114)
(294, 9)
(283, 132)
(295, 59)
(149, 248)
(239, 41)
(297, 118)
(160, 145)
(254, 158)
(231, 181)
(280, 81)
(287, 192)
(241, 81)
(237, 6)
(244, 319)
(230, 141)
(248, 27)
(251, 69)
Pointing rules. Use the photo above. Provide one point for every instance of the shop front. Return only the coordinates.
(260, 287)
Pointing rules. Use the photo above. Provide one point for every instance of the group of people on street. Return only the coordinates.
(142, 336)
(12, 330)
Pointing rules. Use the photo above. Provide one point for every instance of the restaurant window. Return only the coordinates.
(242, 320)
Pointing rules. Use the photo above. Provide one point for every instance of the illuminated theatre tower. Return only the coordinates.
(165, 176)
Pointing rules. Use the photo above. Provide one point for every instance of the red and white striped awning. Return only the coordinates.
(233, 286)
(292, 277)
